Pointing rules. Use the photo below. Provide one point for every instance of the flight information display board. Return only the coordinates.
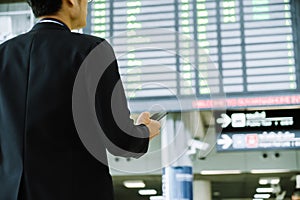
(200, 48)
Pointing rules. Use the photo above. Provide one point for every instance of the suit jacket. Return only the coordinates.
(41, 154)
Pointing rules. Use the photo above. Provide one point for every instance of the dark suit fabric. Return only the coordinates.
(41, 155)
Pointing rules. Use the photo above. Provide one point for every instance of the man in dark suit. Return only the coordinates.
(41, 154)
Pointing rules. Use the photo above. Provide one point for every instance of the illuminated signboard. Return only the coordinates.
(195, 49)
(260, 129)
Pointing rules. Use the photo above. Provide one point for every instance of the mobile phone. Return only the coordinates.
(158, 116)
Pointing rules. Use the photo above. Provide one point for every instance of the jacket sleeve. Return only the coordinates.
(121, 136)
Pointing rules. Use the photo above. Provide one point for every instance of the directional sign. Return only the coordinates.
(256, 119)
(260, 129)
(225, 120)
(225, 141)
(258, 141)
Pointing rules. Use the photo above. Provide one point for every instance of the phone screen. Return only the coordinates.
(158, 116)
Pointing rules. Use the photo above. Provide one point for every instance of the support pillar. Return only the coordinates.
(202, 190)
(177, 172)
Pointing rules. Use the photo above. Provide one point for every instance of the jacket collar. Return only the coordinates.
(50, 23)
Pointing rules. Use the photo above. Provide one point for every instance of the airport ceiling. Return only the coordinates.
(224, 187)
(11, 1)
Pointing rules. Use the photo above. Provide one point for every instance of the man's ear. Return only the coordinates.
(70, 3)
(72, 7)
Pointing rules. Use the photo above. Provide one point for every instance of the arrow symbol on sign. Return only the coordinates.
(226, 141)
(225, 120)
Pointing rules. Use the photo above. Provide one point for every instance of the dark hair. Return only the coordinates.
(44, 7)
(296, 192)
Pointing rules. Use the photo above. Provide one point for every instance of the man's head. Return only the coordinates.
(72, 12)
(296, 194)
(45, 7)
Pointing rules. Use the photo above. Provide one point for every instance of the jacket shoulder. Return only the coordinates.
(13, 40)
(92, 41)
(89, 39)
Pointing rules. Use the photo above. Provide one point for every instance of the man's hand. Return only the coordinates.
(152, 125)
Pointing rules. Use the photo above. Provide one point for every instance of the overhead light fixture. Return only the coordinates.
(262, 196)
(263, 182)
(269, 180)
(216, 193)
(264, 190)
(257, 199)
(156, 198)
(220, 172)
(274, 181)
(268, 171)
(134, 184)
(148, 192)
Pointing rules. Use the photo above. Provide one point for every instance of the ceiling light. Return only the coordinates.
(134, 184)
(219, 172)
(216, 193)
(275, 181)
(257, 199)
(262, 196)
(269, 180)
(148, 192)
(267, 171)
(263, 181)
(264, 190)
(156, 198)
